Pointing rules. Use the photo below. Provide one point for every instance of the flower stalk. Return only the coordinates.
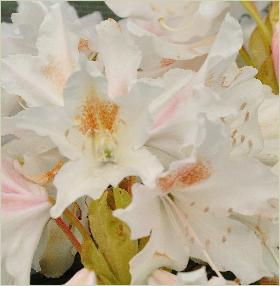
(73, 220)
(69, 234)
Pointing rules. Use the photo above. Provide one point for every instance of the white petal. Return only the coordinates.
(58, 41)
(40, 79)
(42, 121)
(141, 214)
(160, 250)
(187, 39)
(29, 18)
(88, 31)
(227, 43)
(247, 138)
(22, 75)
(86, 178)
(134, 110)
(145, 213)
(269, 117)
(120, 56)
(268, 232)
(231, 178)
(175, 124)
(12, 43)
(224, 238)
(143, 164)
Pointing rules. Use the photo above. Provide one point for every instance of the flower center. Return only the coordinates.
(98, 120)
(105, 146)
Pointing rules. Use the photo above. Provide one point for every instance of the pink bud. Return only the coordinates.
(275, 51)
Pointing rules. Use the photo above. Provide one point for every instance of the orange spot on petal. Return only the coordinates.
(46, 177)
(166, 62)
(185, 176)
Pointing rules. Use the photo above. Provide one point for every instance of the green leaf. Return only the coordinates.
(122, 198)
(142, 242)
(112, 235)
(92, 259)
(267, 76)
(258, 50)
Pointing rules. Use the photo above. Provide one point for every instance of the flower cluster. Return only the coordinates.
(141, 145)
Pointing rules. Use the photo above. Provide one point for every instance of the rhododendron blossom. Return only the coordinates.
(141, 148)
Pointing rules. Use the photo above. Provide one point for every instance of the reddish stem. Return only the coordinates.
(68, 233)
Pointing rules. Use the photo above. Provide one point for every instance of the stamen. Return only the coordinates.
(48, 176)
(97, 115)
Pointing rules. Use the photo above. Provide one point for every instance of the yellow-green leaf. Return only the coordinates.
(257, 48)
(112, 235)
(267, 76)
(142, 242)
(122, 198)
(273, 14)
(92, 259)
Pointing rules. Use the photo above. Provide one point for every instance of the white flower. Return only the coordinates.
(102, 137)
(220, 90)
(191, 205)
(25, 211)
(236, 88)
(176, 30)
(40, 78)
(24, 48)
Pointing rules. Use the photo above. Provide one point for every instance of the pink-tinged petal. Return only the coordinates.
(120, 56)
(83, 277)
(173, 105)
(275, 51)
(24, 213)
(14, 184)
